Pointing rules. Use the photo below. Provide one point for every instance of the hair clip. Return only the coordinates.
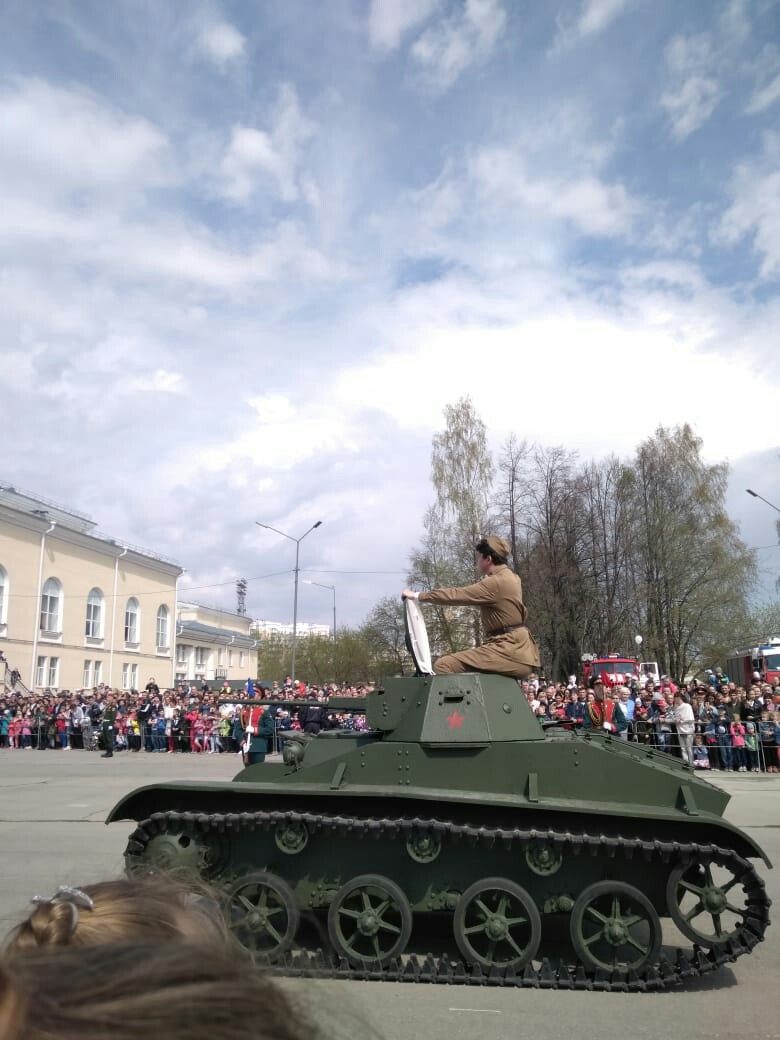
(74, 898)
(68, 894)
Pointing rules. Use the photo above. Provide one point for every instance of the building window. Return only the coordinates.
(182, 650)
(86, 678)
(200, 657)
(129, 676)
(162, 628)
(240, 658)
(3, 596)
(54, 672)
(98, 673)
(94, 626)
(132, 626)
(220, 656)
(51, 607)
(40, 672)
(230, 658)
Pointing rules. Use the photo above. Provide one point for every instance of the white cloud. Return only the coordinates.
(283, 433)
(467, 38)
(693, 92)
(766, 80)
(591, 205)
(755, 209)
(596, 15)
(390, 20)
(592, 18)
(764, 97)
(57, 141)
(165, 248)
(221, 43)
(602, 358)
(256, 156)
(158, 381)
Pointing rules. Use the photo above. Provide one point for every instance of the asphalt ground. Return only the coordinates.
(52, 808)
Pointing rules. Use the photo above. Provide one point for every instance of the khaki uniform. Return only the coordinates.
(499, 596)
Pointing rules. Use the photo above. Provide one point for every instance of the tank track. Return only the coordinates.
(301, 963)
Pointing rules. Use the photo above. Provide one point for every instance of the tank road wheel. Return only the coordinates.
(263, 915)
(201, 855)
(291, 838)
(423, 848)
(543, 859)
(369, 920)
(614, 927)
(496, 923)
(703, 905)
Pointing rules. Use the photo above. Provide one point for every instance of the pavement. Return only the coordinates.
(52, 808)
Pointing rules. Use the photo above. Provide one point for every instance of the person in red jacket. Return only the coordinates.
(258, 727)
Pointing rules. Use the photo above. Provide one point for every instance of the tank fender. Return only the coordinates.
(129, 807)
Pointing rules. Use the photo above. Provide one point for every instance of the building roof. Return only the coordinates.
(34, 505)
(197, 630)
(46, 511)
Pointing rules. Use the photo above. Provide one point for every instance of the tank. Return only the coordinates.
(459, 840)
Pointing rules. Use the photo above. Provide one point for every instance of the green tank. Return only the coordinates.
(456, 839)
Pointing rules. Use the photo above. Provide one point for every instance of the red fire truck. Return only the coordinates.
(756, 661)
(614, 669)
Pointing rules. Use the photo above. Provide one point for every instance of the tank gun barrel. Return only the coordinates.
(356, 705)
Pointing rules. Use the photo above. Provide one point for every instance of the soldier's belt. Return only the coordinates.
(503, 631)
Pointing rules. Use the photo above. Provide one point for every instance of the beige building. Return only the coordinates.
(214, 645)
(78, 608)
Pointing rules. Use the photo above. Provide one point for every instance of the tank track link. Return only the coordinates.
(668, 972)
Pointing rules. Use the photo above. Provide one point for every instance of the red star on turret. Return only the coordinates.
(456, 720)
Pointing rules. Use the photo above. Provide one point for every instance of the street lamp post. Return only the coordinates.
(755, 494)
(333, 590)
(295, 598)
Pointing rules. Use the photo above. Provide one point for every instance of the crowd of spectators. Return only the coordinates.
(725, 726)
(714, 724)
(196, 718)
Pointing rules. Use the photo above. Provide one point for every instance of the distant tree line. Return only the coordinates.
(606, 550)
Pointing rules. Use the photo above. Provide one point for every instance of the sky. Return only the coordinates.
(250, 251)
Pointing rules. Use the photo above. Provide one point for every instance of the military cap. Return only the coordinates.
(498, 545)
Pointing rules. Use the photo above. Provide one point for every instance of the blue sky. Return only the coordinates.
(249, 252)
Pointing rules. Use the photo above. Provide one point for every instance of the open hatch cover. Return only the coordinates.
(417, 638)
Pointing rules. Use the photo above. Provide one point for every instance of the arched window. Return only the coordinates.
(3, 595)
(132, 621)
(94, 626)
(162, 627)
(51, 607)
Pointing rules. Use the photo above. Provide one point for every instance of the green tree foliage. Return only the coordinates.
(385, 633)
(462, 476)
(605, 549)
(274, 656)
(356, 655)
(694, 573)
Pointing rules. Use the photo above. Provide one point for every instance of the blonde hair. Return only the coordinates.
(138, 909)
(121, 991)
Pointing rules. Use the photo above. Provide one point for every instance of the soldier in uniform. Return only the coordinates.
(599, 711)
(258, 728)
(109, 718)
(509, 648)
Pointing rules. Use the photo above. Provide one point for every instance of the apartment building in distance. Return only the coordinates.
(280, 628)
(78, 608)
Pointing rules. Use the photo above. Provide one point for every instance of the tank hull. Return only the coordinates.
(457, 826)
